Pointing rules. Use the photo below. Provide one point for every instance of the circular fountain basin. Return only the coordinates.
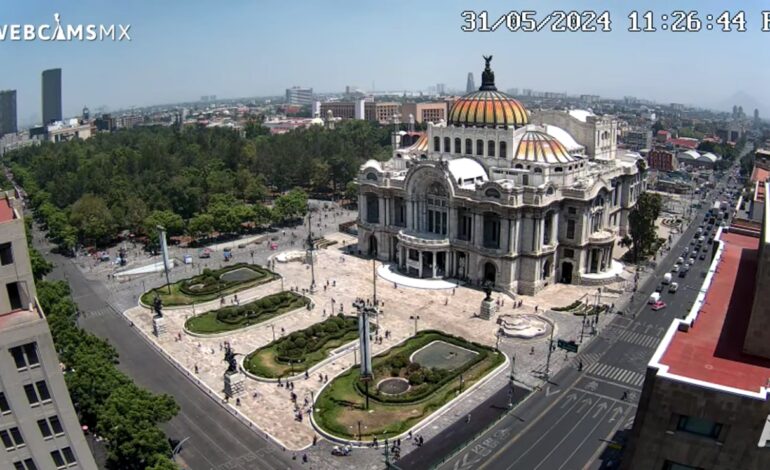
(393, 386)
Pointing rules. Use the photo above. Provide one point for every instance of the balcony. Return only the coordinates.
(423, 240)
(602, 236)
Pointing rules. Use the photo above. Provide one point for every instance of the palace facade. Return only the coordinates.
(489, 197)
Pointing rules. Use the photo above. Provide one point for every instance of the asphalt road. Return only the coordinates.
(216, 439)
(570, 421)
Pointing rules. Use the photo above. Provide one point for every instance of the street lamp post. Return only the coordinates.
(513, 379)
(415, 318)
(310, 249)
(548, 358)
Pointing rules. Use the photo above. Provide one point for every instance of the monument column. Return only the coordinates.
(420, 267)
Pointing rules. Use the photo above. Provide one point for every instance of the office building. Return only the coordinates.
(487, 197)
(51, 96)
(299, 96)
(425, 112)
(7, 112)
(637, 138)
(662, 160)
(38, 425)
(704, 404)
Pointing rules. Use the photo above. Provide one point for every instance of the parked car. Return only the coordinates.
(703, 256)
(666, 278)
(659, 305)
(654, 297)
(675, 269)
(691, 261)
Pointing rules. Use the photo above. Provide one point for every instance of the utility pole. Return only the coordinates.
(548, 359)
(310, 249)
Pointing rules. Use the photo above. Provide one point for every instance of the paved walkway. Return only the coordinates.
(269, 406)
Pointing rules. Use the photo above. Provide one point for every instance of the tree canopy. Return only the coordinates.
(89, 191)
(642, 228)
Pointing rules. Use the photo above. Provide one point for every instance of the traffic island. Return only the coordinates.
(436, 366)
(236, 317)
(303, 349)
(210, 284)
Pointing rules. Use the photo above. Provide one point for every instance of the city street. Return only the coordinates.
(580, 419)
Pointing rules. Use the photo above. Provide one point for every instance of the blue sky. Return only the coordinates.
(181, 50)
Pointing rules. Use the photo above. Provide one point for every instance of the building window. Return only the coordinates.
(372, 209)
(571, 229)
(503, 150)
(5, 408)
(479, 147)
(447, 145)
(436, 144)
(37, 392)
(50, 427)
(63, 458)
(468, 147)
(569, 253)
(26, 464)
(6, 254)
(699, 426)
(458, 146)
(491, 148)
(491, 231)
(14, 295)
(25, 355)
(12, 438)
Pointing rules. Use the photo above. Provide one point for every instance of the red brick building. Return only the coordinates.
(662, 160)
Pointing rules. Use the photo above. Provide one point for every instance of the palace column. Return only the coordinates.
(478, 230)
(420, 268)
(435, 263)
(505, 236)
(381, 208)
(409, 210)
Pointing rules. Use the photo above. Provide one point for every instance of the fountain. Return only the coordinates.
(522, 325)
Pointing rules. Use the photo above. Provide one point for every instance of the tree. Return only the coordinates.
(291, 205)
(351, 192)
(92, 219)
(201, 225)
(172, 222)
(642, 228)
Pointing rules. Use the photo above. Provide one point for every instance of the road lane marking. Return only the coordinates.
(587, 435)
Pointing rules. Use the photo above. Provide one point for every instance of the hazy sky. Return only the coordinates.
(181, 50)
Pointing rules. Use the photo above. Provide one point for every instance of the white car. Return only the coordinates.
(673, 287)
(675, 269)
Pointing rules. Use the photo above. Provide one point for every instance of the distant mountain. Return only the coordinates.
(742, 98)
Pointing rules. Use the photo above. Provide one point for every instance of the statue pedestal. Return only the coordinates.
(234, 384)
(158, 326)
(487, 309)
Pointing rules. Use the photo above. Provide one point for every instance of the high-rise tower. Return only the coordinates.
(7, 112)
(51, 96)
(470, 87)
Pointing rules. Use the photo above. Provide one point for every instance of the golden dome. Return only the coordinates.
(539, 147)
(488, 107)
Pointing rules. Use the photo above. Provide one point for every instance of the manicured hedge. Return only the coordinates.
(212, 283)
(240, 316)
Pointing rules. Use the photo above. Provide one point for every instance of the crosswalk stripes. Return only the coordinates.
(639, 339)
(587, 359)
(97, 313)
(616, 374)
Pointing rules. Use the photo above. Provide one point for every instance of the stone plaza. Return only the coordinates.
(342, 277)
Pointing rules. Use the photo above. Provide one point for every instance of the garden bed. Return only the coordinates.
(211, 284)
(240, 316)
(340, 406)
(301, 350)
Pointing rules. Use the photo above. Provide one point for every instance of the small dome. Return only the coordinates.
(539, 147)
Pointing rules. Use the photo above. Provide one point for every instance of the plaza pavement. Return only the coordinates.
(273, 412)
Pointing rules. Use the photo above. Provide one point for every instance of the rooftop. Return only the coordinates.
(707, 347)
(6, 210)
(760, 174)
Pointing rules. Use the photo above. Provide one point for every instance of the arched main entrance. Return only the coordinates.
(372, 245)
(490, 272)
(566, 272)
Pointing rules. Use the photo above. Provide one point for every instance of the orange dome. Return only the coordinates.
(488, 108)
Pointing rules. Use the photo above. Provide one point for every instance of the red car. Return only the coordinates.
(658, 305)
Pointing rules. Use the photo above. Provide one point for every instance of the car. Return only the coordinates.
(659, 288)
(692, 242)
(680, 260)
(673, 287)
(659, 305)
(682, 273)
(711, 240)
(703, 256)
(705, 249)
(686, 250)
(691, 261)
(675, 269)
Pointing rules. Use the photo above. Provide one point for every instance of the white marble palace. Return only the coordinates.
(491, 196)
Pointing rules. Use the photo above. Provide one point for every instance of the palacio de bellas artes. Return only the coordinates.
(499, 195)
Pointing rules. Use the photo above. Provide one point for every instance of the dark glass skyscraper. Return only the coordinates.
(51, 96)
(470, 85)
(7, 112)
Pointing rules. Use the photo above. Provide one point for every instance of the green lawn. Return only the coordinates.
(236, 317)
(208, 285)
(341, 405)
(302, 349)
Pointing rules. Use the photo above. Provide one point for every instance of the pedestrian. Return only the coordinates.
(468, 418)
(304, 457)
(326, 378)
(307, 376)
(532, 350)
(237, 402)
(536, 307)
(320, 377)
(315, 439)
(580, 366)
(422, 440)
(196, 368)
(409, 436)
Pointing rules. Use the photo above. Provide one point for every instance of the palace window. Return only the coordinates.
(372, 209)
(491, 230)
(571, 229)
(491, 148)
(436, 144)
(503, 149)
(479, 147)
(465, 230)
(468, 147)
(447, 145)
(458, 145)
(437, 209)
